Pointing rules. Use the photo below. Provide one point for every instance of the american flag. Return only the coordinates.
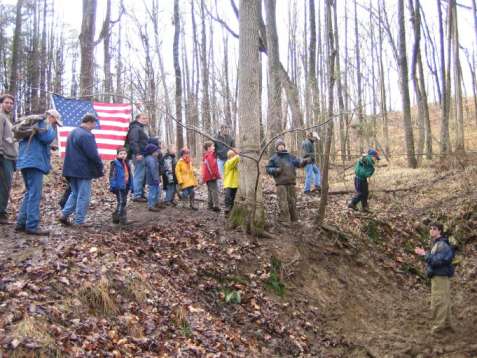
(110, 132)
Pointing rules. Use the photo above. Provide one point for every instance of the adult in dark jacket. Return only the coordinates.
(312, 171)
(152, 155)
(120, 182)
(223, 137)
(439, 269)
(34, 163)
(363, 169)
(138, 139)
(8, 153)
(82, 164)
(282, 167)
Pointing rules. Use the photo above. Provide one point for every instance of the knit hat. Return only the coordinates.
(279, 142)
(150, 148)
(374, 153)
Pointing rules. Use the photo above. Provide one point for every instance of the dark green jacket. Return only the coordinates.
(364, 167)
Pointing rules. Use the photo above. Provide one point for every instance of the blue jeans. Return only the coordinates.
(7, 167)
(78, 201)
(221, 165)
(139, 177)
(187, 192)
(312, 173)
(170, 191)
(29, 214)
(153, 195)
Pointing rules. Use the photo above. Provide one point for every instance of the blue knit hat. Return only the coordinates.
(150, 148)
(374, 153)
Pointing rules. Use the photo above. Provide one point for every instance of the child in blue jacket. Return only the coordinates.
(120, 182)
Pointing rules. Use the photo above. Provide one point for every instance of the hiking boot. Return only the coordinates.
(37, 232)
(160, 205)
(317, 189)
(4, 219)
(115, 218)
(366, 209)
(20, 228)
(140, 200)
(156, 210)
(352, 206)
(64, 220)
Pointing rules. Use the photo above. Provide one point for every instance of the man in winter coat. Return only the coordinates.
(439, 269)
(282, 167)
(363, 169)
(8, 154)
(312, 172)
(82, 164)
(34, 163)
(138, 138)
(223, 137)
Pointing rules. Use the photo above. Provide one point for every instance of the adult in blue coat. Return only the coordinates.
(82, 165)
(34, 163)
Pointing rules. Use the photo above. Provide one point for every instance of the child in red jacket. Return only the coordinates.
(210, 175)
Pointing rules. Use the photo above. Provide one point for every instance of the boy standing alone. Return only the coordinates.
(363, 169)
(439, 269)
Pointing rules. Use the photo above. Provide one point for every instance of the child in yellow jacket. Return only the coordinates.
(186, 177)
(231, 179)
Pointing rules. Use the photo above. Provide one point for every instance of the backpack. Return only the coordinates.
(27, 127)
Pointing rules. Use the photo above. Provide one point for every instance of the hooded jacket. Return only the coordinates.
(8, 146)
(364, 167)
(439, 259)
(308, 147)
(282, 167)
(185, 174)
(210, 169)
(117, 175)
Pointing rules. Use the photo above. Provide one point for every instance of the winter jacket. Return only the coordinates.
(137, 138)
(8, 146)
(231, 172)
(120, 175)
(220, 149)
(185, 174)
(152, 170)
(439, 259)
(36, 153)
(81, 158)
(282, 167)
(308, 147)
(364, 167)
(168, 169)
(210, 169)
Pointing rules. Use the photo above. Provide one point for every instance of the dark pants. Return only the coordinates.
(122, 200)
(362, 193)
(229, 198)
(287, 202)
(29, 214)
(213, 194)
(7, 168)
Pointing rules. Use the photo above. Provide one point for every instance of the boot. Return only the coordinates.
(123, 219)
(38, 232)
(115, 218)
(192, 201)
(352, 206)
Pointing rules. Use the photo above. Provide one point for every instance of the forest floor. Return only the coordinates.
(181, 283)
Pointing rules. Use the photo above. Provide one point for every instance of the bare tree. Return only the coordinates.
(15, 62)
(177, 72)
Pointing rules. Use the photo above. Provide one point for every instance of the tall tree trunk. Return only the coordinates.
(205, 104)
(329, 126)
(445, 88)
(87, 46)
(108, 78)
(43, 61)
(34, 67)
(274, 114)
(404, 79)
(177, 72)
(227, 99)
(249, 109)
(16, 61)
(361, 121)
(382, 86)
(459, 107)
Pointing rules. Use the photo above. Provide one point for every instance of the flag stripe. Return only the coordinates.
(113, 123)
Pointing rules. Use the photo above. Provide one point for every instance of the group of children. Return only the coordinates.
(177, 177)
